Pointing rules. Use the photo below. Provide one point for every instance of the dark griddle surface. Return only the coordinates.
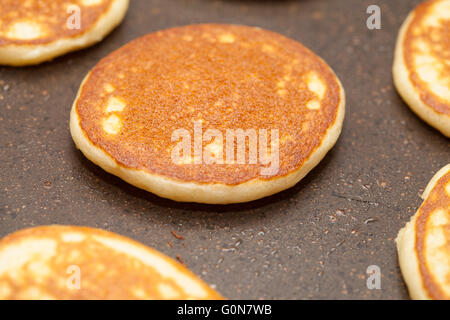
(313, 241)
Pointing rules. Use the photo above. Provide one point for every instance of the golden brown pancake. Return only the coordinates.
(424, 244)
(422, 63)
(32, 31)
(68, 262)
(224, 76)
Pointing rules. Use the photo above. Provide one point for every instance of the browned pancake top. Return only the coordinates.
(66, 262)
(427, 53)
(433, 239)
(44, 21)
(228, 77)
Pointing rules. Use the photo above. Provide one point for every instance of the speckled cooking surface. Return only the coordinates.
(315, 240)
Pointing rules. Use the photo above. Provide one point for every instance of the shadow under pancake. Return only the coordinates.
(245, 207)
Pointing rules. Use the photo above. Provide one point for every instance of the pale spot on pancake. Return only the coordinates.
(26, 30)
(422, 59)
(281, 84)
(89, 3)
(313, 105)
(27, 3)
(16, 255)
(208, 37)
(109, 88)
(34, 293)
(214, 149)
(72, 237)
(39, 270)
(168, 291)
(100, 267)
(421, 45)
(282, 92)
(112, 124)
(188, 38)
(316, 85)
(74, 255)
(286, 138)
(227, 38)
(139, 293)
(305, 127)
(115, 104)
(267, 48)
(447, 188)
(5, 290)
(184, 160)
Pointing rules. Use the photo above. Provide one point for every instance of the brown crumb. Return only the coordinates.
(170, 244)
(176, 235)
(180, 260)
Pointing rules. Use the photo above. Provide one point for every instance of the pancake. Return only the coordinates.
(78, 263)
(215, 77)
(422, 63)
(424, 243)
(33, 31)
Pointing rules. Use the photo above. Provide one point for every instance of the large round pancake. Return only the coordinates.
(424, 243)
(422, 63)
(33, 31)
(43, 263)
(226, 76)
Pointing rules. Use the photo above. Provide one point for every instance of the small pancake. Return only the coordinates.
(68, 262)
(33, 31)
(224, 77)
(424, 243)
(422, 63)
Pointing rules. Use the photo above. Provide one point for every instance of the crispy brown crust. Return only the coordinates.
(420, 13)
(121, 272)
(52, 14)
(176, 76)
(438, 198)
